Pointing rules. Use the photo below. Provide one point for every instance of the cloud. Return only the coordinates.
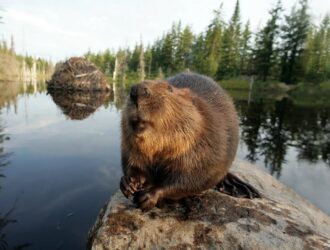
(24, 128)
(39, 23)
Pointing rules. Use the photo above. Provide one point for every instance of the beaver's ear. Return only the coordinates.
(170, 88)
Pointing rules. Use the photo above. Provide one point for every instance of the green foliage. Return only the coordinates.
(183, 57)
(213, 43)
(11, 64)
(246, 51)
(230, 50)
(310, 95)
(317, 53)
(325, 86)
(199, 54)
(266, 56)
(287, 49)
(104, 61)
(294, 35)
(236, 83)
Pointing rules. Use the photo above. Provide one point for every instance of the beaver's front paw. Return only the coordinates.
(125, 187)
(130, 185)
(146, 199)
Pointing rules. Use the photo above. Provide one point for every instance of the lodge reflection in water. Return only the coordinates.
(269, 129)
(80, 105)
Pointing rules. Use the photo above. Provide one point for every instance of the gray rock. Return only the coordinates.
(280, 220)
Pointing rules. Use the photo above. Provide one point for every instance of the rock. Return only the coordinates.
(280, 220)
(77, 73)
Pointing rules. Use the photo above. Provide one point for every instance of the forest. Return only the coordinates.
(15, 67)
(288, 48)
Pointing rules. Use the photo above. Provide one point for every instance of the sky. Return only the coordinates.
(59, 29)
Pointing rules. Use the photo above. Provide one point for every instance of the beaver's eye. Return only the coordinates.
(146, 92)
(170, 88)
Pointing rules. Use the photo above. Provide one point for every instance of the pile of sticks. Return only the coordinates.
(77, 73)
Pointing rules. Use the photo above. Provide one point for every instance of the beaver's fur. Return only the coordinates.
(179, 137)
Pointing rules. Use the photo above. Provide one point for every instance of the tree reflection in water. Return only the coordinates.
(5, 218)
(270, 128)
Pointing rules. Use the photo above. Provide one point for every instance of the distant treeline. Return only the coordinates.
(288, 48)
(17, 67)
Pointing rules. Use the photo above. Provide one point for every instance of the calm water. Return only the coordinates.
(60, 159)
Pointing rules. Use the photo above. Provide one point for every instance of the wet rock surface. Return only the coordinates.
(280, 220)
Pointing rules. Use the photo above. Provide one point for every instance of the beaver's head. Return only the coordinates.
(162, 118)
(147, 103)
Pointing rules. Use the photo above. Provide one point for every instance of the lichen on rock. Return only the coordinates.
(213, 220)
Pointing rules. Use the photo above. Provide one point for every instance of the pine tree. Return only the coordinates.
(294, 35)
(134, 59)
(265, 51)
(199, 54)
(230, 49)
(316, 55)
(320, 53)
(213, 39)
(108, 62)
(141, 68)
(88, 55)
(245, 50)
(326, 24)
(184, 49)
(156, 55)
(167, 53)
(148, 58)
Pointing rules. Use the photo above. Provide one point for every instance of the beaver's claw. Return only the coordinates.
(146, 199)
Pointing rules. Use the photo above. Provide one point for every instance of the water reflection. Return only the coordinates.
(9, 92)
(270, 128)
(3, 155)
(5, 218)
(80, 105)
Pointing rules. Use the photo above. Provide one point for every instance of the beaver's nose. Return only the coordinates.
(134, 93)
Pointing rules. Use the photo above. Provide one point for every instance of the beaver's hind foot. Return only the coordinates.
(234, 186)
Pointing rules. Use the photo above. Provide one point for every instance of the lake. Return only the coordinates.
(60, 158)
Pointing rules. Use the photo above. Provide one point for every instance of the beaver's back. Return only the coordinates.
(201, 85)
(223, 109)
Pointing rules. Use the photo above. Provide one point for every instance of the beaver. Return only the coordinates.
(179, 138)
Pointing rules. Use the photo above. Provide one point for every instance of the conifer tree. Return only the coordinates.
(184, 49)
(294, 35)
(134, 59)
(141, 68)
(167, 53)
(213, 39)
(266, 39)
(245, 50)
(148, 58)
(317, 53)
(230, 49)
(199, 54)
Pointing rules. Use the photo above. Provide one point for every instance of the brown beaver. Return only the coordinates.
(179, 138)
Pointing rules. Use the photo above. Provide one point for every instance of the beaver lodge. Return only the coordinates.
(77, 73)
